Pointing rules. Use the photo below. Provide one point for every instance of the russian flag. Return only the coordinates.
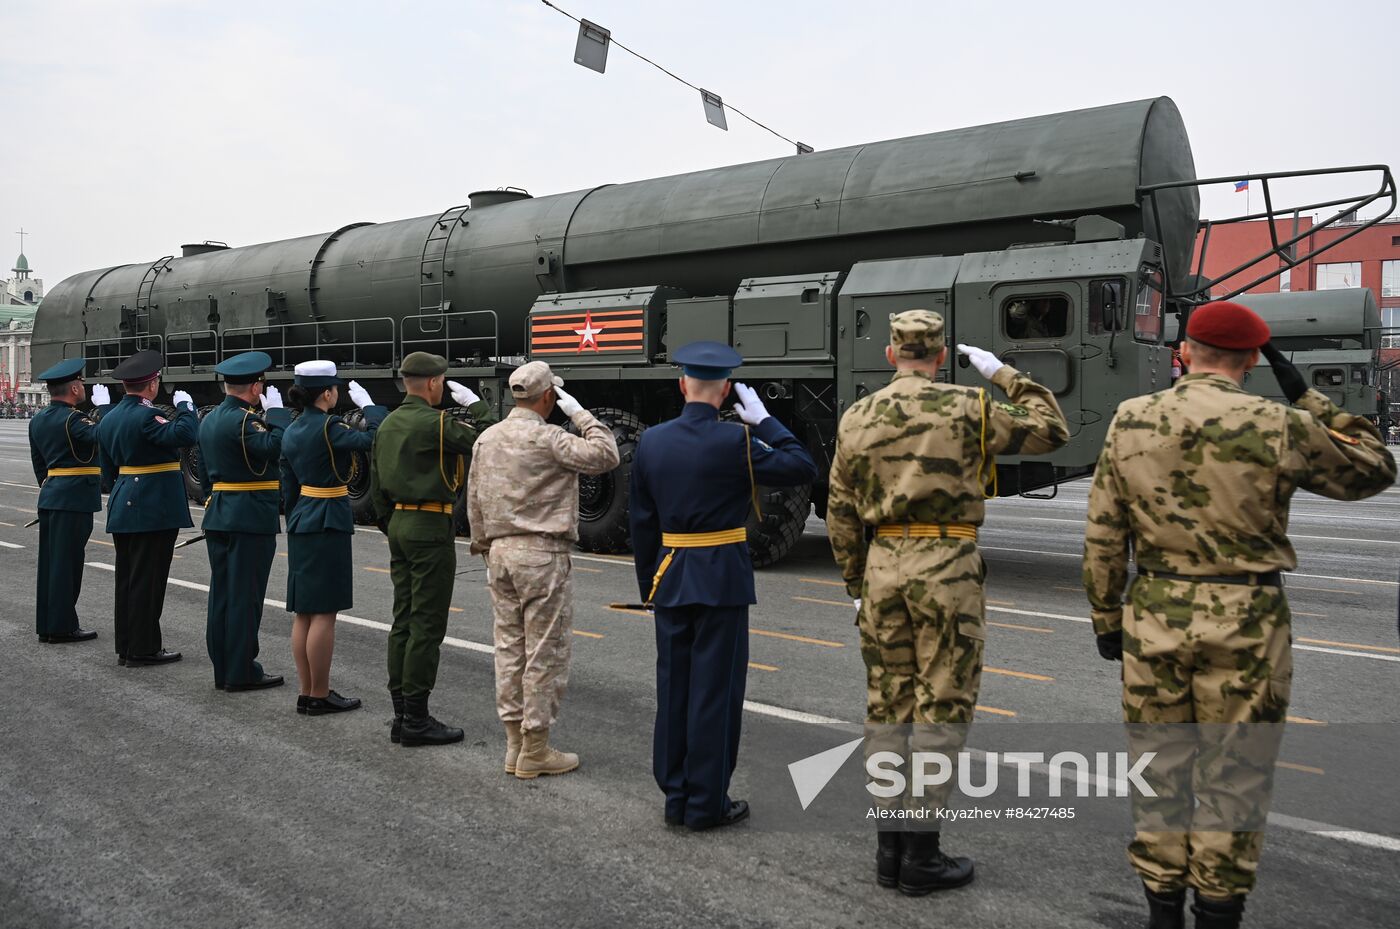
(1241, 185)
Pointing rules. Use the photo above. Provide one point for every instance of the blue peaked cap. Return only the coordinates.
(707, 361)
(244, 367)
(65, 370)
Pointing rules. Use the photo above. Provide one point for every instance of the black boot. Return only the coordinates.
(396, 728)
(1166, 910)
(887, 852)
(421, 729)
(1218, 914)
(923, 868)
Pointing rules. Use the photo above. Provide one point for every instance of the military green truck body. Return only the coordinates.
(1034, 237)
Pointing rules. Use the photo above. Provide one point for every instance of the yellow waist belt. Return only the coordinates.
(73, 472)
(233, 486)
(149, 469)
(928, 531)
(325, 493)
(675, 540)
(426, 507)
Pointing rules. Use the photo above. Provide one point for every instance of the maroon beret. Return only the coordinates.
(1227, 325)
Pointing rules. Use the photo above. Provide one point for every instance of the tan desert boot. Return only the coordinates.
(536, 757)
(512, 745)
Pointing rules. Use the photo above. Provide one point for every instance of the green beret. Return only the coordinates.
(423, 364)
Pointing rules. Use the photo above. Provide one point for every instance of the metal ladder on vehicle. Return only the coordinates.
(432, 276)
(137, 323)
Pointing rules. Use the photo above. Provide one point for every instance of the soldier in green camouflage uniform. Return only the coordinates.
(1197, 479)
(912, 462)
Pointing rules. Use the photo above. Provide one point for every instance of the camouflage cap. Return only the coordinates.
(916, 333)
(423, 364)
(532, 379)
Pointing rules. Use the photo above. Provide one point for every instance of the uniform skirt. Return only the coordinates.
(320, 575)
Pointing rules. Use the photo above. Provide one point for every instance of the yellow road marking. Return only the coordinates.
(981, 708)
(1306, 769)
(1025, 674)
(100, 542)
(1072, 589)
(761, 667)
(281, 554)
(377, 570)
(797, 638)
(1304, 721)
(1369, 648)
(455, 609)
(817, 580)
(588, 635)
(1022, 628)
(618, 609)
(846, 603)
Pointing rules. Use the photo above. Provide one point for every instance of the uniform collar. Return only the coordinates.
(699, 411)
(911, 372)
(133, 399)
(230, 400)
(414, 399)
(525, 413)
(1219, 380)
(54, 401)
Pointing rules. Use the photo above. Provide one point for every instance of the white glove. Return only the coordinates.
(857, 601)
(984, 361)
(180, 397)
(462, 394)
(750, 409)
(271, 398)
(359, 396)
(566, 403)
(100, 396)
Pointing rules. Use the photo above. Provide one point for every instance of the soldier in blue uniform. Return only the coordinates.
(693, 481)
(317, 465)
(147, 507)
(63, 445)
(239, 451)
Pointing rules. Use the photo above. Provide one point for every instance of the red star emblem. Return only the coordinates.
(588, 335)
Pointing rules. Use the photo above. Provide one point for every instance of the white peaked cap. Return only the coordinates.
(316, 369)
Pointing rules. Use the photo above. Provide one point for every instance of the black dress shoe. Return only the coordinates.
(331, 703)
(121, 660)
(675, 820)
(738, 812)
(262, 683)
(77, 635)
(301, 703)
(160, 657)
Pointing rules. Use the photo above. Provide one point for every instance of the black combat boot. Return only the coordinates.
(887, 852)
(421, 729)
(924, 869)
(1218, 914)
(396, 727)
(1165, 910)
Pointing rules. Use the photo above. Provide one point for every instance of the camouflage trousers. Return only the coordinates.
(922, 627)
(1207, 654)
(532, 594)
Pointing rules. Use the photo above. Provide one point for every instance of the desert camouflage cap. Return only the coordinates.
(916, 333)
(532, 379)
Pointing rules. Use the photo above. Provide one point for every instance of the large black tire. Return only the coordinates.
(189, 457)
(603, 499)
(361, 507)
(785, 512)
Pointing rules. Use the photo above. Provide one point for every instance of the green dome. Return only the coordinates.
(21, 263)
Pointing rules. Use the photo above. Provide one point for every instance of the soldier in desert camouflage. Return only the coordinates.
(522, 497)
(912, 463)
(1197, 480)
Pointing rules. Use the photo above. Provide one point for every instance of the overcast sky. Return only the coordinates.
(132, 126)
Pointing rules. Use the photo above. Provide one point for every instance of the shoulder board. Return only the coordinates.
(1343, 438)
(161, 419)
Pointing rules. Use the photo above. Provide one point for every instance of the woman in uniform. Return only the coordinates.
(317, 464)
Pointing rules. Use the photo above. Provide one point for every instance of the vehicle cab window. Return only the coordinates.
(1027, 318)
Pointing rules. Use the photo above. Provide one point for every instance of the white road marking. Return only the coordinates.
(797, 716)
(10, 545)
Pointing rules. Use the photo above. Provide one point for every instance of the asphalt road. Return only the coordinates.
(143, 797)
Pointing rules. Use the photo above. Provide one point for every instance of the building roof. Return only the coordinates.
(10, 313)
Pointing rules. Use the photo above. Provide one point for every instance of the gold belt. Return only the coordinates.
(73, 472)
(426, 507)
(229, 486)
(928, 531)
(149, 469)
(675, 540)
(325, 493)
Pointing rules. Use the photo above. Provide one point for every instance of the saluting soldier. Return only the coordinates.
(522, 500)
(239, 450)
(317, 466)
(63, 446)
(147, 507)
(913, 461)
(693, 481)
(417, 467)
(1196, 479)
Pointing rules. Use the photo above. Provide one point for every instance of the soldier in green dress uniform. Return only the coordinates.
(63, 445)
(147, 507)
(317, 465)
(238, 454)
(417, 468)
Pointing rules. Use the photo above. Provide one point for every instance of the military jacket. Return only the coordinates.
(1198, 478)
(524, 477)
(133, 433)
(920, 451)
(692, 474)
(239, 444)
(419, 454)
(318, 451)
(62, 436)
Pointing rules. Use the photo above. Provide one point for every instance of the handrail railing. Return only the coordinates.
(102, 355)
(287, 346)
(434, 332)
(191, 356)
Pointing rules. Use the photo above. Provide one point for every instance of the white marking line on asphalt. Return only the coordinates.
(10, 545)
(1326, 830)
